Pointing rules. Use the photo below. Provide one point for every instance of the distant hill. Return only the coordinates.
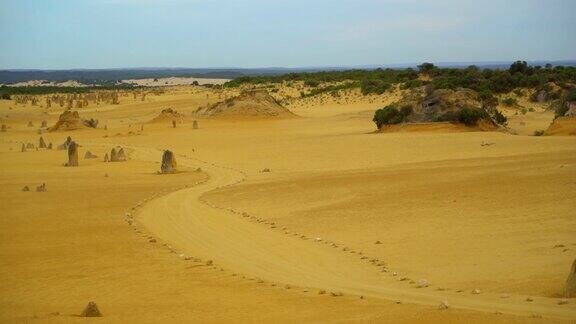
(110, 76)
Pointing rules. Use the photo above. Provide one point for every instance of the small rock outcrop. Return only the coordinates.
(117, 154)
(91, 310)
(72, 154)
(169, 115)
(70, 120)
(26, 188)
(41, 143)
(89, 155)
(168, 162)
(570, 288)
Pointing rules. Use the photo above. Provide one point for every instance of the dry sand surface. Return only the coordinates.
(313, 219)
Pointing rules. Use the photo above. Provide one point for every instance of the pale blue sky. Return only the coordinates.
(291, 33)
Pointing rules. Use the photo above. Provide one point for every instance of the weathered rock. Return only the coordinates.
(92, 123)
(169, 115)
(64, 146)
(117, 155)
(41, 143)
(72, 154)
(91, 310)
(26, 188)
(422, 283)
(570, 289)
(41, 188)
(570, 109)
(89, 155)
(70, 120)
(195, 124)
(120, 155)
(444, 305)
(168, 162)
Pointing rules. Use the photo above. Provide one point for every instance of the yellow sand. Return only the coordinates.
(497, 217)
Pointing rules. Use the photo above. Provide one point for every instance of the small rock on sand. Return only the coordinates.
(422, 283)
(443, 305)
(91, 310)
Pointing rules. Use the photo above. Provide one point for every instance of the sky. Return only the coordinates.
(61, 34)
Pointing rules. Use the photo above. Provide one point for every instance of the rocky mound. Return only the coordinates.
(249, 104)
(426, 105)
(70, 120)
(565, 122)
(168, 115)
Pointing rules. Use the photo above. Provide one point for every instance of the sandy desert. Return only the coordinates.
(311, 218)
(366, 161)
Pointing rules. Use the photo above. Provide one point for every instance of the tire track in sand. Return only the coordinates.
(193, 227)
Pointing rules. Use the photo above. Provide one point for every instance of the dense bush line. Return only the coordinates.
(519, 75)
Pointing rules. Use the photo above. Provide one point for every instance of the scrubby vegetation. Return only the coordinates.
(519, 75)
(509, 102)
(391, 115)
(470, 116)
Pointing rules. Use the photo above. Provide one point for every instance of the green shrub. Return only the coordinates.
(560, 111)
(509, 102)
(426, 68)
(571, 96)
(391, 115)
(374, 86)
(311, 83)
(470, 116)
(499, 118)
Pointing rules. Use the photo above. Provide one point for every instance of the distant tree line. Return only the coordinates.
(491, 81)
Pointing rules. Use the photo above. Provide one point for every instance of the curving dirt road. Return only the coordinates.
(265, 251)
